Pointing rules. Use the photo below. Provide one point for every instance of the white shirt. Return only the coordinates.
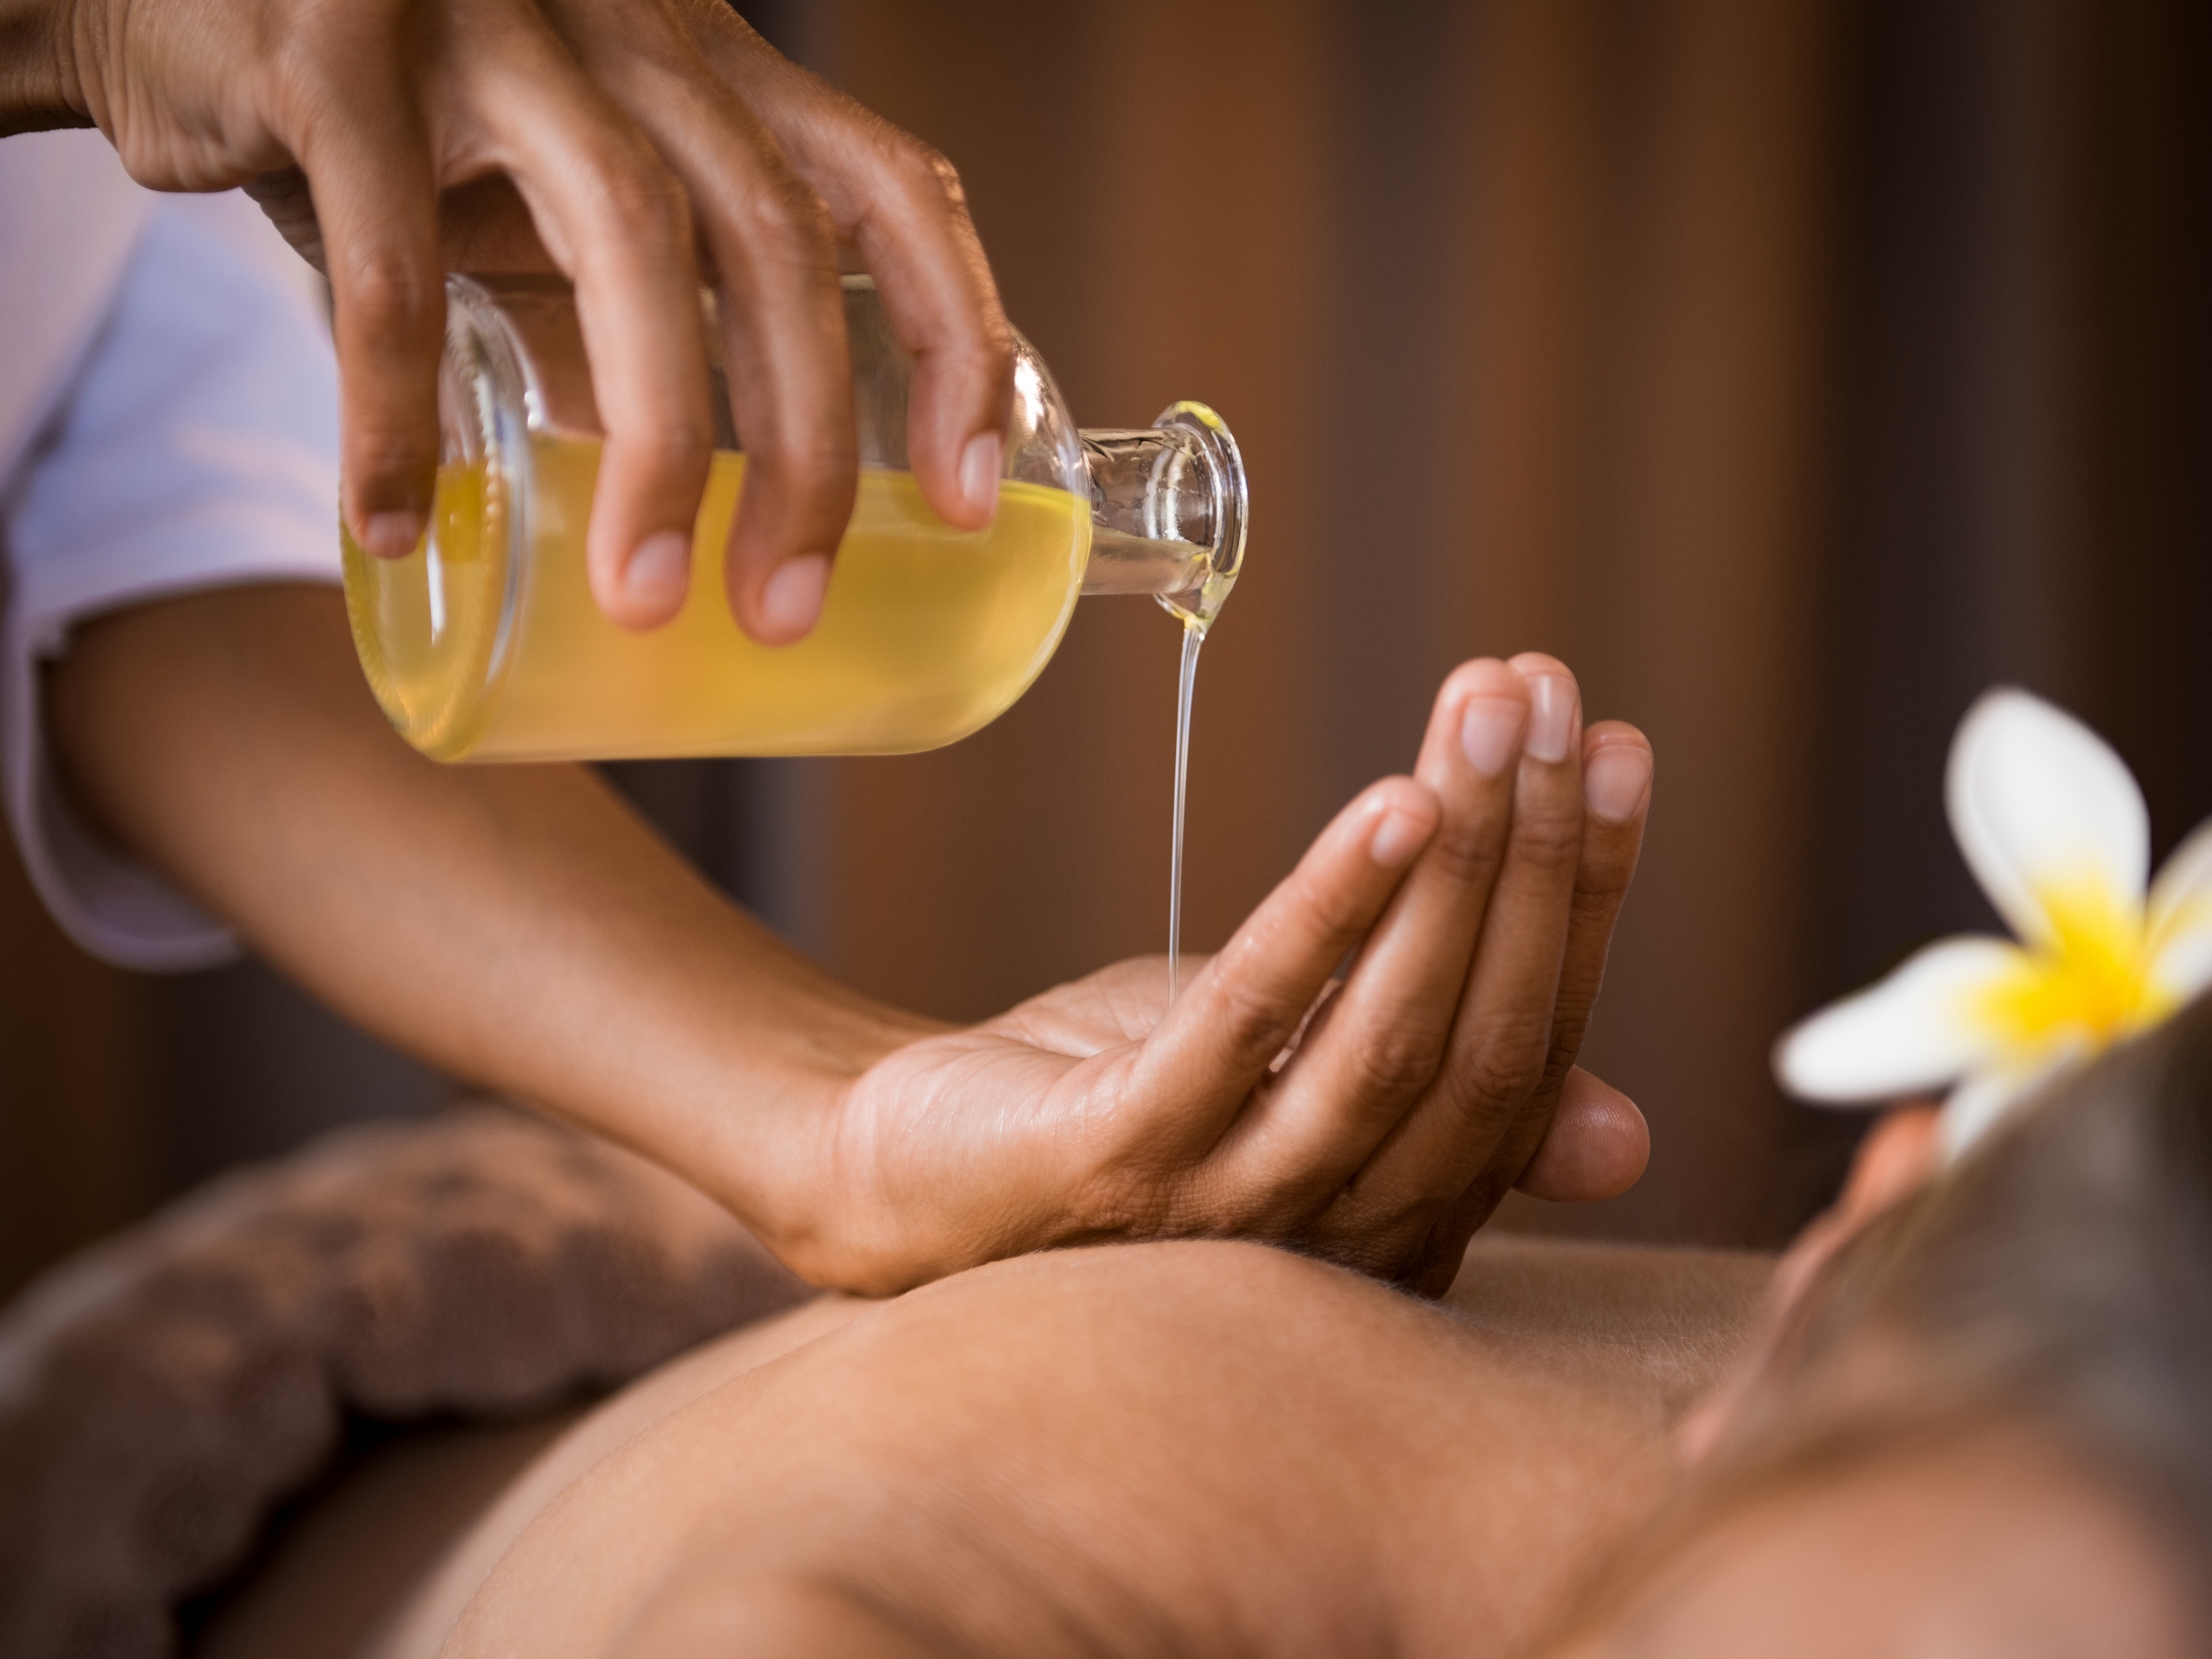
(168, 421)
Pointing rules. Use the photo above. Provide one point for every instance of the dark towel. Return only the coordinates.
(161, 1392)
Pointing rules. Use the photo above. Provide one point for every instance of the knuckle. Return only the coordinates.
(385, 461)
(387, 295)
(813, 470)
(640, 200)
(1548, 842)
(1595, 899)
(298, 66)
(1489, 1087)
(1119, 1199)
(672, 446)
(1328, 920)
(782, 214)
(1465, 854)
(1505, 1069)
(1396, 1063)
(389, 444)
(1303, 923)
(807, 491)
(924, 174)
(1250, 1016)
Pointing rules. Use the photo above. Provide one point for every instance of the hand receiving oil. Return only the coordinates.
(1378, 1123)
(634, 144)
(518, 927)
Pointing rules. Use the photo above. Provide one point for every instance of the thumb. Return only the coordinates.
(1596, 1147)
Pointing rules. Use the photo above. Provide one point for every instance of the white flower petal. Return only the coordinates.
(2178, 932)
(2181, 962)
(1915, 1030)
(2183, 892)
(2042, 805)
(1975, 1108)
(1986, 1098)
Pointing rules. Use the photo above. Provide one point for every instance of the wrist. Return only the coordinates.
(779, 1122)
(735, 1072)
(39, 87)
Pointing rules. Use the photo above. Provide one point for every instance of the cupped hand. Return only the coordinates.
(640, 142)
(1377, 1121)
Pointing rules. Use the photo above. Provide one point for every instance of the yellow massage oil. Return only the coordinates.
(926, 633)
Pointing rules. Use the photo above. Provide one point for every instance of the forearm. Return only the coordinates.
(516, 926)
(38, 83)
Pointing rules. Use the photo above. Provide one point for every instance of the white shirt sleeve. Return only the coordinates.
(196, 448)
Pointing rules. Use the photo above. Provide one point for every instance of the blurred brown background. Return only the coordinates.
(1792, 368)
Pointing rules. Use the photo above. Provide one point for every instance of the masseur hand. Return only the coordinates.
(1480, 895)
(649, 141)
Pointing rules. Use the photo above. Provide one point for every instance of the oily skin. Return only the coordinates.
(1187, 1447)
(636, 146)
(1219, 1448)
(1643, 1331)
(516, 926)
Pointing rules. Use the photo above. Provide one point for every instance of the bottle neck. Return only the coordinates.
(1168, 506)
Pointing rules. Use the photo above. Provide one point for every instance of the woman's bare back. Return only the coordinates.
(1195, 1446)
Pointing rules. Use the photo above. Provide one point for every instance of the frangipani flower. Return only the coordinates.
(2053, 827)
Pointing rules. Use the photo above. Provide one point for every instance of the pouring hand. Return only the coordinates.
(1481, 899)
(631, 143)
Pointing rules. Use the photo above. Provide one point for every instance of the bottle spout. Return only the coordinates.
(1168, 509)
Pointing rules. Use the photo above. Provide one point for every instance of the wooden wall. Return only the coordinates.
(1521, 313)
(1794, 368)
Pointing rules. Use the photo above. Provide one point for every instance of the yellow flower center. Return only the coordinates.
(2092, 978)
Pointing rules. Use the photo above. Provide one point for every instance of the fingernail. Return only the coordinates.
(1616, 781)
(392, 534)
(655, 576)
(1397, 838)
(979, 470)
(1551, 717)
(790, 600)
(1489, 730)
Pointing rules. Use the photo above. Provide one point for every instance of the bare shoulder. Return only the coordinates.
(1661, 1319)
